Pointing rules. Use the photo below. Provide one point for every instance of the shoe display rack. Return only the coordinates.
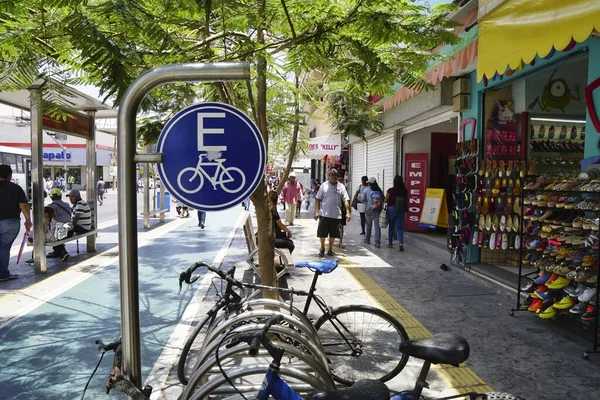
(462, 216)
(502, 140)
(498, 209)
(561, 228)
(557, 148)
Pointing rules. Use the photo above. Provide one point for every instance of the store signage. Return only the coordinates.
(486, 6)
(214, 156)
(75, 124)
(56, 156)
(325, 146)
(416, 173)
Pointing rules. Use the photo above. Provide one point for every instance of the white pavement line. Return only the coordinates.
(14, 250)
(23, 301)
(162, 368)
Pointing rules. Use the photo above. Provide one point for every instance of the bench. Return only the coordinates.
(282, 261)
(75, 237)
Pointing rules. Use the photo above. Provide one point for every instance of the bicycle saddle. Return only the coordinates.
(443, 348)
(366, 389)
(324, 266)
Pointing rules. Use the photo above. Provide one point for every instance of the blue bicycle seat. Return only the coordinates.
(324, 266)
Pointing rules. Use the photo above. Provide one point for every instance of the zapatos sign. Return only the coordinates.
(56, 156)
(415, 176)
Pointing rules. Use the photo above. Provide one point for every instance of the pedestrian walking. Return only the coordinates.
(359, 198)
(138, 186)
(13, 202)
(201, 218)
(100, 190)
(343, 222)
(291, 193)
(374, 205)
(71, 181)
(299, 200)
(395, 199)
(328, 211)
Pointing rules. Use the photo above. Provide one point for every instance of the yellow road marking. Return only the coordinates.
(460, 379)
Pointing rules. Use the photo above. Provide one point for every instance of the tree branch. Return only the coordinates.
(289, 19)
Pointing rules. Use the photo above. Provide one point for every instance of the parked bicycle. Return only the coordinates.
(359, 341)
(231, 179)
(442, 348)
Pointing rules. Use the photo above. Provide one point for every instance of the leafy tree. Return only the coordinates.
(359, 46)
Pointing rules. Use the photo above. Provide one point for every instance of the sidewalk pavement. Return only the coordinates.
(523, 355)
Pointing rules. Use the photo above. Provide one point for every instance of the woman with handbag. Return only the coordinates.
(359, 202)
(395, 198)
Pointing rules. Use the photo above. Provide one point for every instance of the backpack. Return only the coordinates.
(400, 204)
(376, 200)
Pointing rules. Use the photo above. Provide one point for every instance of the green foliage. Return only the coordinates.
(360, 47)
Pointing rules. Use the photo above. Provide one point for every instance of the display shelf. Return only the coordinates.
(556, 299)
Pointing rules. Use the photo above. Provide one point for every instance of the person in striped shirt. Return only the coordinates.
(82, 214)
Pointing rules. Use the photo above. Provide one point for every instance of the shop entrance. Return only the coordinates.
(443, 156)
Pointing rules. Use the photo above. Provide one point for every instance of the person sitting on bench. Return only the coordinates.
(283, 236)
(82, 214)
(62, 213)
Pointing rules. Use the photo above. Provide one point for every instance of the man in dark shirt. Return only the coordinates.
(12, 202)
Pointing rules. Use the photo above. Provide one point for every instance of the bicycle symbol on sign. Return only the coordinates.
(231, 179)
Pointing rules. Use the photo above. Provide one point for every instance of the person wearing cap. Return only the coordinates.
(13, 202)
(100, 188)
(290, 194)
(62, 213)
(82, 213)
(328, 211)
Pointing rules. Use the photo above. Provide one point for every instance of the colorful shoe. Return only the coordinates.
(559, 283)
(543, 277)
(590, 313)
(579, 308)
(548, 313)
(541, 293)
(565, 303)
(536, 304)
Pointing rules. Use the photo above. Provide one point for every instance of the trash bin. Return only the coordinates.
(167, 202)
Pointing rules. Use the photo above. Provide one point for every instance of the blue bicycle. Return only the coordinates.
(442, 348)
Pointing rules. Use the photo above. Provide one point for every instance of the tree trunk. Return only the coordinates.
(266, 240)
(294, 144)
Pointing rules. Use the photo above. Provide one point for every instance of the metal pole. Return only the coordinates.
(91, 195)
(127, 210)
(147, 193)
(37, 177)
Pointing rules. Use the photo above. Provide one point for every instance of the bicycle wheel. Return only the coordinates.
(362, 342)
(205, 324)
(190, 180)
(232, 179)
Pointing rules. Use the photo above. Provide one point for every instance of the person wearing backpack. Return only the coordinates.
(396, 201)
(374, 205)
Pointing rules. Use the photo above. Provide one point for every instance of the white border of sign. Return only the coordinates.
(257, 136)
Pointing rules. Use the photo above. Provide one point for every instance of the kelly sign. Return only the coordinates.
(325, 146)
(415, 176)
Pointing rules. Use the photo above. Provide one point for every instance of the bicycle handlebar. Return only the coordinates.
(188, 278)
(255, 339)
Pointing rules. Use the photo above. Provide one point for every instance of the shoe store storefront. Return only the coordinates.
(535, 222)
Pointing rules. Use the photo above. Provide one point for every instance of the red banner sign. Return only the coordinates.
(416, 173)
(76, 124)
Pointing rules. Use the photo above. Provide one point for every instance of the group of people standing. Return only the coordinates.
(371, 202)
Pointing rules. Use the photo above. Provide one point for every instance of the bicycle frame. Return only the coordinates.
(274, 386)
(211, 179)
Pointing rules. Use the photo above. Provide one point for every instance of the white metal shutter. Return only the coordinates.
(357, 168)
(380, 159)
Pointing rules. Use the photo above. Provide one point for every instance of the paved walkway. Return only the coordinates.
(48, 329)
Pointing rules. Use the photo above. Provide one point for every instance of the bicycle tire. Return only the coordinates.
(186, 349)
(228, 171)
(196, 173)
(328, 341)
(500, 396)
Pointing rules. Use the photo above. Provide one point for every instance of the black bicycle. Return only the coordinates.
(360, 342)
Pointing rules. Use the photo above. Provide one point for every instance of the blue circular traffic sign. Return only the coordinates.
(213, 156)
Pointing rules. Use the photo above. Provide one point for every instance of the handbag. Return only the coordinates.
(383, 219)
(355, 203)
(361, 207)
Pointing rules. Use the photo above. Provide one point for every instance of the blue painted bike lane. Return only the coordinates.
(49, 353)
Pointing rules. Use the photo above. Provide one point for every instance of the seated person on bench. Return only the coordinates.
(82, 214)
(283, 236)
(62, 213)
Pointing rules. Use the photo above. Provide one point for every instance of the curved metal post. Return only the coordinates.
(127, 207)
